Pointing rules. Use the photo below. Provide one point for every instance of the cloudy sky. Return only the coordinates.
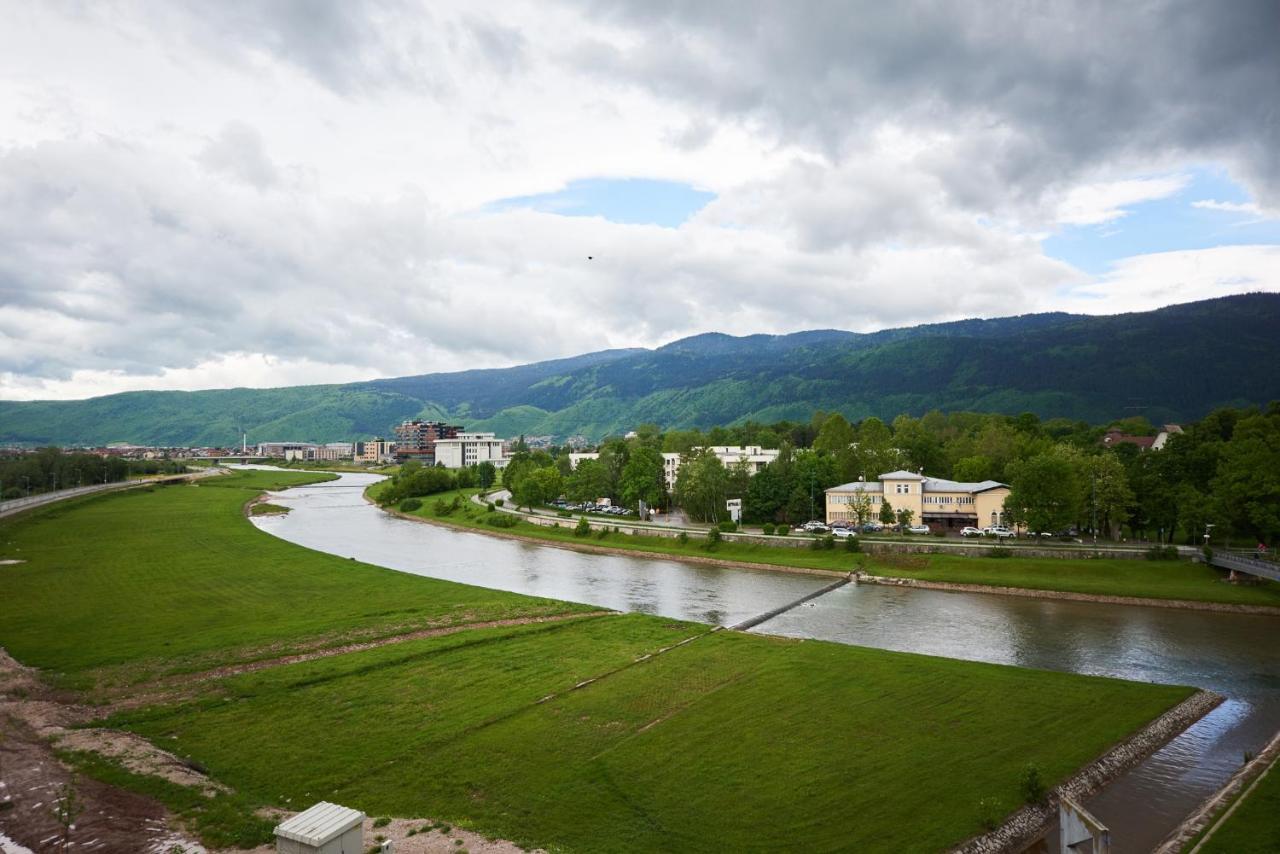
(207, 194)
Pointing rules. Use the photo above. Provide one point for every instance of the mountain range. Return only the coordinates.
(1171, 364)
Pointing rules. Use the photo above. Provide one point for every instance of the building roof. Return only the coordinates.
(319, 824)
(930, 484)
(902, 475)
(858, 486)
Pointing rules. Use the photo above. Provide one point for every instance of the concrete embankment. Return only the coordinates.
(1028, 593)
(769, 615)
(1022, 828)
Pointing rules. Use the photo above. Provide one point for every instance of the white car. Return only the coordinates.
(918, 529)
(843, 532)
(815, 527)
(970, 531)
(999, 532)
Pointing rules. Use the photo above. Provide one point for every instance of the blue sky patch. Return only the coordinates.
(1166, 225)
(633, 201)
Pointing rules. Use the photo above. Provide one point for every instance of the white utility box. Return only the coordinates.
(323, 829)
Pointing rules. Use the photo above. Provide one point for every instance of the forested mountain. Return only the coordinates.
(1176, 363)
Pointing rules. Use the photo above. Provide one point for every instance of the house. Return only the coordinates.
(938, 503)
(469, 449)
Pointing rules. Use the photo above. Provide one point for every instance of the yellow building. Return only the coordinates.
(940, 504)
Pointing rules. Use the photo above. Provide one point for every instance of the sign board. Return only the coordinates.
(734, 506)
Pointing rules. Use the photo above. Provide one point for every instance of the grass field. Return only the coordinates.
(730, 742)
(174, 578)
(1253, 828)
(1101, 576)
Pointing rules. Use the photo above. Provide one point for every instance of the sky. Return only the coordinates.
(204, 195)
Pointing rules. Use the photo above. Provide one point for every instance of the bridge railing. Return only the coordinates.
(1247, 564)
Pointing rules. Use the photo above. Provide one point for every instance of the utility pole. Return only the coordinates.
(1094, 502)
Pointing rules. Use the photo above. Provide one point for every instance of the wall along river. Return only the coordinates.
(1232, 654)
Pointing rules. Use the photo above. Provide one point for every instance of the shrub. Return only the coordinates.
(491, 507)
(816, 544)
(728, 527)
(768, 527)
(381, 822)
(989, 813)
(564, 514)
(851, 544)
(1162, 553)
(410, 504)
(999, 552)
(583, 528)
(602, 533)
(499, 502)
(1031, 784)
(713, 538)
(683, 538)
(1208, 555)
(781, 530)
(502, 520)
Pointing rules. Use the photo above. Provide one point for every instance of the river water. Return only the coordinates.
(1234, 655)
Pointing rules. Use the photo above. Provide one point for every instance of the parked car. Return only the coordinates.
(815, 528)
(917, 529)
(1000, 532)
(970, 531)
(843, 532)
(872, 528)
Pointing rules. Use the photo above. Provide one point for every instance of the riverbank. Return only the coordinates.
(727, 740)
(1164, 584)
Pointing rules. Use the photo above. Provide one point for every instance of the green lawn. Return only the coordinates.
(175, 578)
(1103, 576)
(731, 743)
(1254, 828)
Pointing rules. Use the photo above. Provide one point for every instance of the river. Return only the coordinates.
(1234, 655)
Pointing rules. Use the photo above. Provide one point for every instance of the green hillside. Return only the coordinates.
(1176, 363)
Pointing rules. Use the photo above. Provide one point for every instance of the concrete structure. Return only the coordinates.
(416, 440)
(282, 449)
(940, 504)
(323, 829)
(469, 449)
(1144, 443)
(1162, 437)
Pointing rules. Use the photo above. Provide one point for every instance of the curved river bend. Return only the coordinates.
(1235, 655)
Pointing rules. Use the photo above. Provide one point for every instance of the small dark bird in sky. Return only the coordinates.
(591, 257)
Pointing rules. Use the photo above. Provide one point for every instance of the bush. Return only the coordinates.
(683, 538)
(491, 507)
(583, 528)
(502, 520)
(713, 538)
(1162, 553)
(1208, 555)
(564, 514)
(499, 502)
(602, 533)
(1032, 784)
(851, 544)
(768, 528)
(781, 530)
(410, 504)
(728, 527)
(999, 552)
(989, 813)
(381, 822)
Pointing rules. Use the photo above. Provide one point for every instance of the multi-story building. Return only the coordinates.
(375, 451)
(938, 503)
(753, 456)
(469, 449)
(288, 450)
(416, 440)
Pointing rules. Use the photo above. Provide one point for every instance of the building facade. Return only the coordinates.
(377, 450)
(416, 440)
(469, 449)
(940, 504)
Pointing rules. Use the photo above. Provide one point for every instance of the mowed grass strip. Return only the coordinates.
(1105, 577)
(734, 742)
(175, 578)
(1102, 576)
(1254, 828)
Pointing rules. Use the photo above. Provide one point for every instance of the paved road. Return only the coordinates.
(18, 505)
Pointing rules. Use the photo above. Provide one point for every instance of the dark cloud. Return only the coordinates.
(1037, 93)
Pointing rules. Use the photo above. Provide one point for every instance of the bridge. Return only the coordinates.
(1246, 563)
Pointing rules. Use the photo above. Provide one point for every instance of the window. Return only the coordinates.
(902, 488)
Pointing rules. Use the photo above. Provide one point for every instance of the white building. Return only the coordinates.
(754, 456)
(469, 449)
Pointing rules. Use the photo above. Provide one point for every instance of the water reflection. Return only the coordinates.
(1234, 655)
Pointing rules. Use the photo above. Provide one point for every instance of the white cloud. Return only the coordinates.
(1144, 282)
(195, 195)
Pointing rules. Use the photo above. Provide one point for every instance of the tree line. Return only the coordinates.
(50, 469)
(1223, 470)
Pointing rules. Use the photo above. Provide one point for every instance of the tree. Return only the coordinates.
(812, 474)
(835, 435)
(860, 507)
(1046, 491)
(538, 487)
(905, 515)
(588, 482)
(642, 477)
(766, 495)
(1247, 485)
(973, 469)
(486, 474)
(1111, 495)
(700, 486)
(887, 516)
